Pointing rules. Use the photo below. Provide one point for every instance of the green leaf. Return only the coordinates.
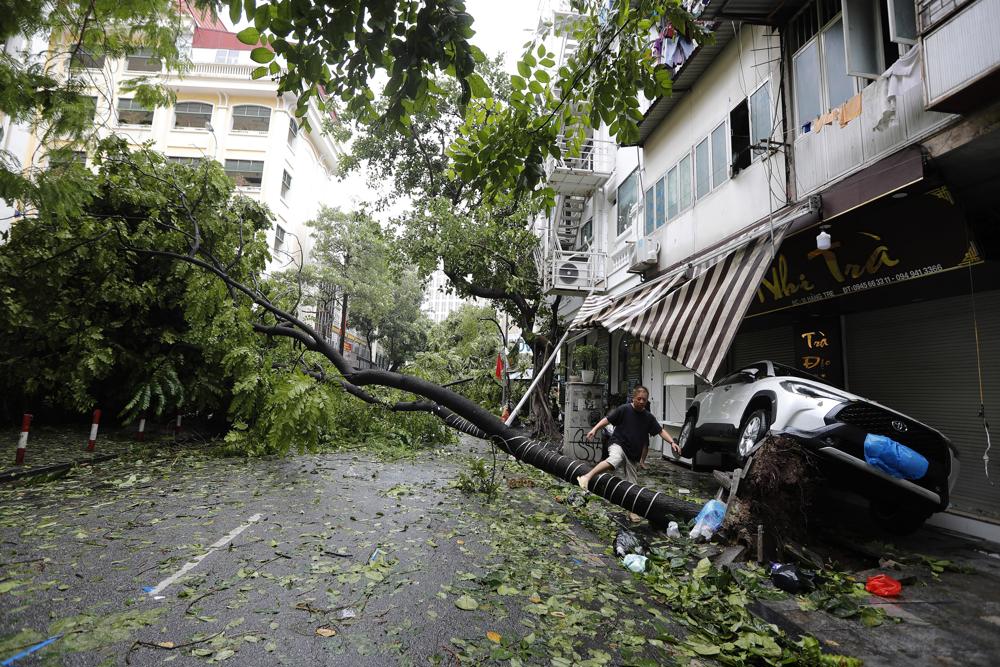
(523, 69)
(248, 35)
(235, 10)
(704, 649)
(467, 603)
(262, 55)
(518, 82)
(542, 75)
(258, 72)
(702, 569)
(479, 87)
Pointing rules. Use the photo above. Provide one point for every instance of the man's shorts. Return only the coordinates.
(621, 463)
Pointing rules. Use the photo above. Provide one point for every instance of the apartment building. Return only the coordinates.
(821, 172)
(220, 113)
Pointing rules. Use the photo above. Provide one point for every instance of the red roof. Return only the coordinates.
(203, 18)
(207, 38)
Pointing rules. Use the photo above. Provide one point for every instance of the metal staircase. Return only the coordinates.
(570, 220)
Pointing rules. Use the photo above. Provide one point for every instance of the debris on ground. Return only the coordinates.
(628, 542)
(708, 520)
(883, 585)
(791, 579)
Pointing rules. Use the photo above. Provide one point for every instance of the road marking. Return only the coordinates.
(190, 565)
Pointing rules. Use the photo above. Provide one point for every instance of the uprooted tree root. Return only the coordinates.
(776, 493)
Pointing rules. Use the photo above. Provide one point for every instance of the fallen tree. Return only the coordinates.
(183, 241)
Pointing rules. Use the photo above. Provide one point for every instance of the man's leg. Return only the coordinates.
(616, 457)
(628, 470)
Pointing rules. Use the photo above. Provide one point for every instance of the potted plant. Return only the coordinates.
(585, 357)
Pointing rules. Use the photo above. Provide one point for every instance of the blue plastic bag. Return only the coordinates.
(893, 458)
(711, 515)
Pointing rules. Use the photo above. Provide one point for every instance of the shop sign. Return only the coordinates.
(818, 349)
(866, 253)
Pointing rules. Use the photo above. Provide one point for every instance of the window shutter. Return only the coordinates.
(861, 39)
(902, 21)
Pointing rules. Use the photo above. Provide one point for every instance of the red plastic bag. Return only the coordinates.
(883, 585)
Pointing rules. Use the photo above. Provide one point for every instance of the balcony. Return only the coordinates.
(583, 173)
(573, 272)
(825, 156)
(961, 53)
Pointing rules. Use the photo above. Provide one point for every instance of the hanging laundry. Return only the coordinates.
(826, 119)
(903, 75)
(850, 110)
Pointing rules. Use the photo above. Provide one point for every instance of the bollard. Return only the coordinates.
(22, 442)
(93, 430)
(177, 426)
(141, 433)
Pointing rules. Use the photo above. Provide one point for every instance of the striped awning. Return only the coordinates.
(695, 324)
(691, 314)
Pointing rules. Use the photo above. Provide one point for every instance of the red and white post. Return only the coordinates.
(93, 430)
(140, 435)
(22, 442)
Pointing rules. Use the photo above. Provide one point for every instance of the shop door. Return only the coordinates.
(920, 359)
(777, 344)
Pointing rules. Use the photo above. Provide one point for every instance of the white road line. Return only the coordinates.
(190, 565)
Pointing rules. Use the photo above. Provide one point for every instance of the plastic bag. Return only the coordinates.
(627, 542)
(708, 520)
(894, 458)
(673, 530)
(791, 579)
(635, 562)
(883, 585)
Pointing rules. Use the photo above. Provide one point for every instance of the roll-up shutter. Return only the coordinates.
(920, 359)
(776, 344)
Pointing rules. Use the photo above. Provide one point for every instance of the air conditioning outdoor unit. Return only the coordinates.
(573, 274)
(647, 254)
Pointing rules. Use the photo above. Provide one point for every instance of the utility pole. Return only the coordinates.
(343, 310)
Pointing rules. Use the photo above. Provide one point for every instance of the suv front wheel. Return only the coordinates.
(753, 430)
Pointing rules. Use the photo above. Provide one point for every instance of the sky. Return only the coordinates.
(503, 26)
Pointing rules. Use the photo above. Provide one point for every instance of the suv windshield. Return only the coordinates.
(780, 370)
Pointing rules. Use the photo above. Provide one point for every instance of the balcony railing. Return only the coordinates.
(579, 172)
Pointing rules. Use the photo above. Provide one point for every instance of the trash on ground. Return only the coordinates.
(791, 579)
(635, 562)
(893, 458)
(883, 585)
(376, 556)
(684, 491)
(627, 542)
(576, 499)
(708, 520)
(346, 613)
(673, 530)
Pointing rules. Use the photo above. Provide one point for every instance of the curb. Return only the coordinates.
(14, 475)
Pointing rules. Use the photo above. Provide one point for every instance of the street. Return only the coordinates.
(344, 559)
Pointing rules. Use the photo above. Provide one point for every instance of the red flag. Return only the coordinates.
(499, 370)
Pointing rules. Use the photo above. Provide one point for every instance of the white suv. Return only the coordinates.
(739, 410)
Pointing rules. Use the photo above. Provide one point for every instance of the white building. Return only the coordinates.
(871, 120)
(439, 303)
(220, 113)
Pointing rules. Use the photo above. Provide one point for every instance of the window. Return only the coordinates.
(820, 71)
(684, 182)
(286, 184)
(131, 112)
(649, 217)
(293, 131)
(142, 61)
(245, 173)
(808, 86)
(82, 59)
(840, 86)
(251, 118)
(661, 202)
(279, 238)
(702, 169)
(587, 232)
(672, 203)
(192, 114)
(760, 119)
(720, 170)
(739, 136)
(628, 195)
(226, 57)
(185, 160)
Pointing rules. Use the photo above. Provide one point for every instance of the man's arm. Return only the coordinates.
(597, 427)
(673, 444)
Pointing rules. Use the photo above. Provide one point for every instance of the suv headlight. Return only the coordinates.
(812, 391)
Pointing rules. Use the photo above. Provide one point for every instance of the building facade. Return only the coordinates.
(849, 118)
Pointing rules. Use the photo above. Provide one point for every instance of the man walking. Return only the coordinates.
(630, 442)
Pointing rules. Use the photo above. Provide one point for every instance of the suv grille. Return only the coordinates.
(916, 436)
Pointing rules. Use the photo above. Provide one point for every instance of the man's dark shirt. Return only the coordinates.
(632, 429)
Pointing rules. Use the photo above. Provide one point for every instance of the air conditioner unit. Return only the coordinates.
(573, 274)
(647, 256)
